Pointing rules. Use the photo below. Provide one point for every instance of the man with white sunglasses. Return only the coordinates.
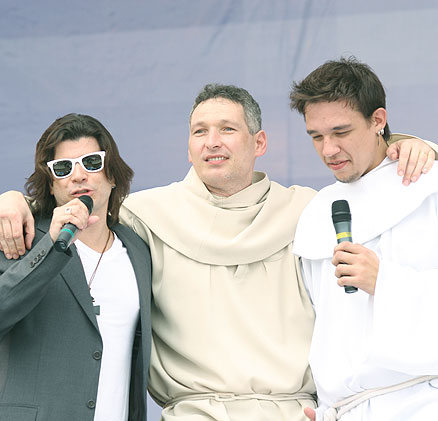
(75, 321)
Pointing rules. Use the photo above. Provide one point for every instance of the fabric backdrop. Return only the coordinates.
(138, 65)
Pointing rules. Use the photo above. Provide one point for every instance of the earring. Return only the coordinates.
(381, 132)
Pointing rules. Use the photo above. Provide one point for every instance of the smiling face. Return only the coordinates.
(80, 182)
(344, 139)
(221, 149)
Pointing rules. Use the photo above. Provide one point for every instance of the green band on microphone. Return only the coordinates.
(70, 231)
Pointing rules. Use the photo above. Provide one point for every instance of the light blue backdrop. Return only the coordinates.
(137, 66)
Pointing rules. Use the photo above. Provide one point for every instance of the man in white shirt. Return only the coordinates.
(75, 328)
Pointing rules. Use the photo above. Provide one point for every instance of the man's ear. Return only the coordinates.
(379, 118)
(261, 143)
(189, 156)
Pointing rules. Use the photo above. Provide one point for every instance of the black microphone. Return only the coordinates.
(68, 231)
(341, 217)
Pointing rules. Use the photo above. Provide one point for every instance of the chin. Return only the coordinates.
(347, 178)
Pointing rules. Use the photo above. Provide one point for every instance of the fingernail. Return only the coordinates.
(425, 170)
(406, 182)
(400, 172)
(8, 256)
(414, 178)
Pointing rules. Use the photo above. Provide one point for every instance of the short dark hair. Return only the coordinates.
(73, 127)
(251, 109)
(347, 80)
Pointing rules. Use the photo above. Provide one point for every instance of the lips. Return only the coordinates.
(81, 192)
(337, 165)
(215, 158)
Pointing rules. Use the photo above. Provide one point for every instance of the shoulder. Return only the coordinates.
(302, 195)
(303, 191)
(151, 194)
(129, 237)
(294, 196)
(138, 251)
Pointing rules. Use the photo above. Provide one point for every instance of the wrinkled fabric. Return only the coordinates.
(360, 341)
(230, 313)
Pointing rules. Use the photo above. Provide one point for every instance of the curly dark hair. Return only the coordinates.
(73, 127)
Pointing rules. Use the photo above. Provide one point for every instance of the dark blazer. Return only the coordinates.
(50, 345)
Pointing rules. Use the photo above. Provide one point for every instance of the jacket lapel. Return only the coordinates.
(74, 276)
(139, 263)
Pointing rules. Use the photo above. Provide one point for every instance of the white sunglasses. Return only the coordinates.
(91, 162)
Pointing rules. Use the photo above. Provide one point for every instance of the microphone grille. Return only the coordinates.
(87, 201)
(340, 211)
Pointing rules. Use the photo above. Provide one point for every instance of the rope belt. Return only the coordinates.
(229, 397)
(335, 412)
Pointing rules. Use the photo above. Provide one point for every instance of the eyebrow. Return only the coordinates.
(221, 123)
(333, 129)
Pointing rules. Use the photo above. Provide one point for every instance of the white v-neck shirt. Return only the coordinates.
(115, 290)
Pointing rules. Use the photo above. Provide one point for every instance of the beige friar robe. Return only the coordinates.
(231, 320)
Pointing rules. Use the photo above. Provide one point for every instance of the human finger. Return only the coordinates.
(419, 167)
(11, 237)
(424, 164)
(310, 413)
(343, 257)
(414, 154)
(29, 231)
(72, 213)
(344, 269)
(403, 158)
(92, 219)
(393, 151)
(429, 162)
(344, 246)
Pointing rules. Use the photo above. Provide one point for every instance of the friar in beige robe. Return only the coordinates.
(232, 322)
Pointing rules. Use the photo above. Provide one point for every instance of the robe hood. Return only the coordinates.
(246, 227)
(315, 237)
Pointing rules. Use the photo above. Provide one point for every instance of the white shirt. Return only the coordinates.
(114, 289)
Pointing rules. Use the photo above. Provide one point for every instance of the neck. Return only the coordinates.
(379, 156)
(95, 236)
(229, 190)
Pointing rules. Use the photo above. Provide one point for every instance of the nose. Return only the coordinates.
(213, 139)
(329, 147)
(78, 174)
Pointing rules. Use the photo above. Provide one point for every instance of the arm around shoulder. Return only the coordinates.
(16, 224)
(416, 156)
(397, 137)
